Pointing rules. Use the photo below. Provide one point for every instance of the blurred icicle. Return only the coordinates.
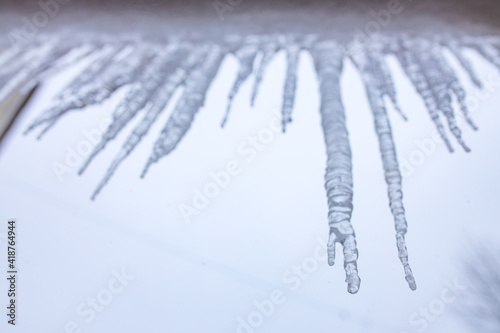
(158, 103)
(138, 97)
(338, 178)
(123, 70)
(457, 52)
(368, 65)
(450, 79)
(384, 78)
(488, 51)
(66, 60)
(156, 70)
(412, 68)
(8, 54)
(190, 102)
(246, 57)
(18, 60)
(435, 69)
(70, 97)
(269, 50)
(293, 51)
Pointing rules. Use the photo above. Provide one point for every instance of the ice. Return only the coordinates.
(328, 61)
(369, 66)
(158, 103)
(155, 70)
(189, 104)
(149, 82)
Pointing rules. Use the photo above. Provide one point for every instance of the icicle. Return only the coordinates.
(456, 50)
(268, 52)
(69, 97)
(123, 70)
(293, 51)
(369, 72)
(140, 94)
(26, 60)
(189, 104)
(439, 82)
(338, 178)
(451, 80)
(413, 70)
(246, 56)
(158, 104)
(384, 78)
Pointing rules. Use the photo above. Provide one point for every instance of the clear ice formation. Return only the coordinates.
(328, 61)
(153, 71)
(369, 66)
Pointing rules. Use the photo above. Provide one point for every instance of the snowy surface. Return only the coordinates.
(206, 274)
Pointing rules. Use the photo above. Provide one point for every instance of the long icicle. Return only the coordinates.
(154, 75)
(246, 57)
(338, 178)
(412, 69)
(290, 87)
(188, 106)
(158, 104)
(369, 67)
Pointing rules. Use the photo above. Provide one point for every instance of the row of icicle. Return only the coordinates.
(154, 72)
